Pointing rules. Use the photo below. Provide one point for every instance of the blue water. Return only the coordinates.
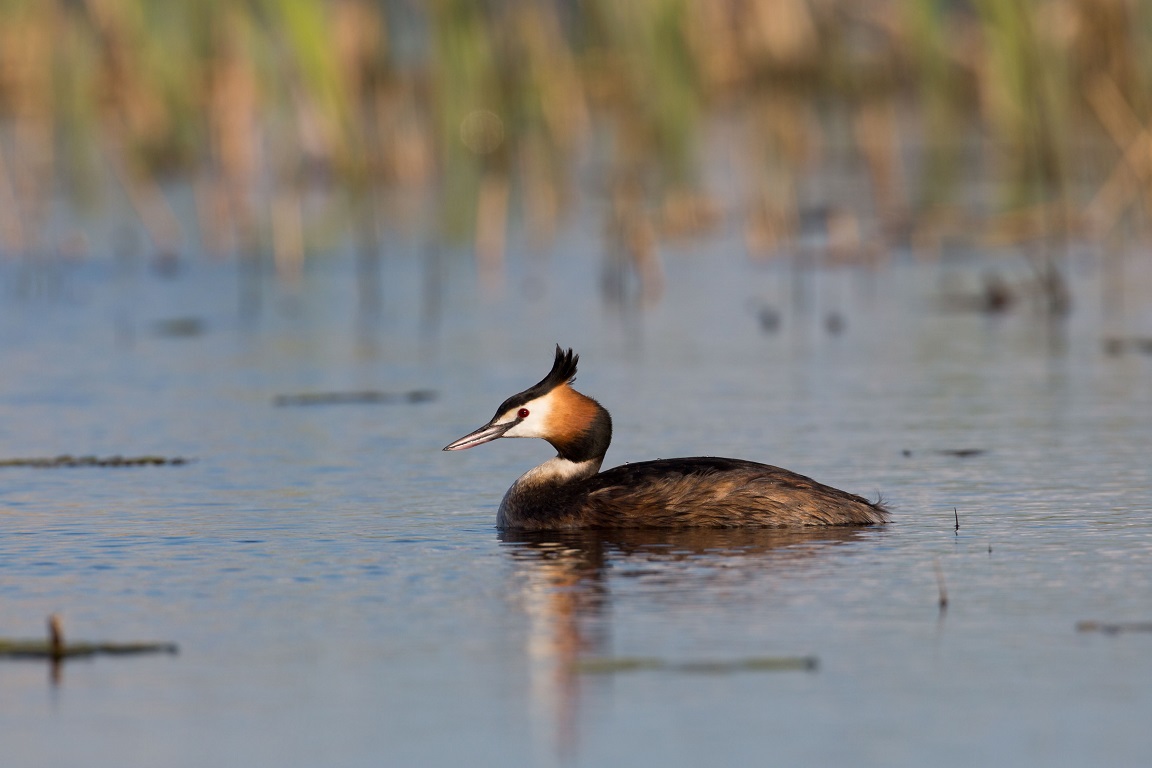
(340, 595)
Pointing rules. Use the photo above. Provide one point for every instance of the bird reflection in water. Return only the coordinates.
(564, 585)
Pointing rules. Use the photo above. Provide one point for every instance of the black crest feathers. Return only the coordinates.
(563, 372)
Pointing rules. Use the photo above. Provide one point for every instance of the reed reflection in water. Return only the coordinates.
(270, 132)
(564, 583)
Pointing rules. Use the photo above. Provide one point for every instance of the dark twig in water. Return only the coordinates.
(54, 647)
(957, 513)
(601, 666)
(1114, 628)
(55, 636)
(940, 586)
(67, 460)
(360, 398)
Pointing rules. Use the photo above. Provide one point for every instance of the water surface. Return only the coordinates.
(341, 597)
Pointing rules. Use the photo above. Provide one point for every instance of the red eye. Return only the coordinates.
(522, 413)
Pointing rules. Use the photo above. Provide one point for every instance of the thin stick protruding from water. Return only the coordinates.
(940, 585)
(55, 636)
(957, 513)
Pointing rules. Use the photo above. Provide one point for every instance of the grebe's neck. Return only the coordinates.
(579, 428)
(559, 470)
(538, 489)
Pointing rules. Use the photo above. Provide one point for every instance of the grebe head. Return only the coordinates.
(577, 426)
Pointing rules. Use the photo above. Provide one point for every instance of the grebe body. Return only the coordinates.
(569, 491)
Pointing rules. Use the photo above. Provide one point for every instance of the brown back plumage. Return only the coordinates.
(698, 492)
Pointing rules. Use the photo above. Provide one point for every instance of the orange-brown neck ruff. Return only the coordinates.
(579, 428)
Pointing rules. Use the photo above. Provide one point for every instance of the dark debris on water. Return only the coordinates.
(1114, 627)
(369, 397)
(55, 648)
(613, 665)
(956, 453)
(68, 460)
(1119, 345)
(180, 327)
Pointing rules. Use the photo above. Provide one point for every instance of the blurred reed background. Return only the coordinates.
(879, 125)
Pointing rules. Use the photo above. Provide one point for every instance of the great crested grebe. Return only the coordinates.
(569, 491)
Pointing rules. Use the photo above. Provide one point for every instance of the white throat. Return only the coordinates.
(560, 470)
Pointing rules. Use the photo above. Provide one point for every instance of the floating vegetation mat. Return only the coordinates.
(44, 649)
(355, 398)
(613, 665)
(1114, 628)
(67, 460)
(54, 647)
